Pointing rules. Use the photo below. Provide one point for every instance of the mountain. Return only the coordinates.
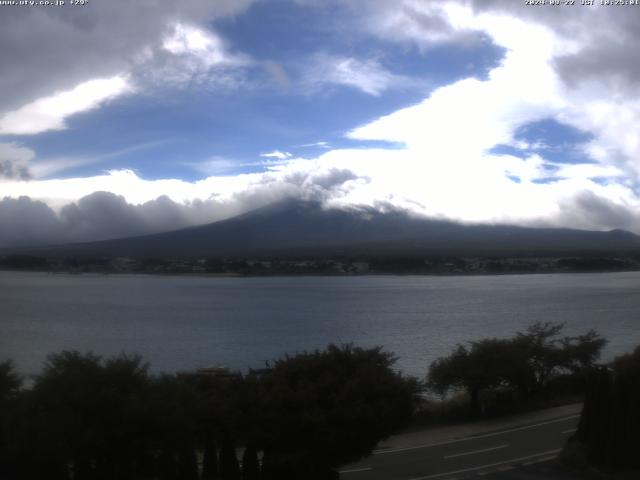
(295, 228)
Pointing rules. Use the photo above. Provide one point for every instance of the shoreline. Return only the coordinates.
(310, 274)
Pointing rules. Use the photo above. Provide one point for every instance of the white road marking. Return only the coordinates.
(491, 465)
(455, 455)
(571, 430)
(355, 470)
(466, 439)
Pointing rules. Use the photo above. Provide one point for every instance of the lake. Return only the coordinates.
(186, 322)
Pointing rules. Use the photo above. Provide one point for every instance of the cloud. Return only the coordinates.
(368, 76)
(591, 211)
(339, 178)
(221, 166)
(192, 55)
(98, 216)
(320, 144)
(277, 154)
(443, 164)
(45, 167)
(422, 23)
(50, 112)
(54, 49)
(26, 222)
(14, 161)
(102, 215)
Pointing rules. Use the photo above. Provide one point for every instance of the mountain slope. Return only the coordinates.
(294, 228)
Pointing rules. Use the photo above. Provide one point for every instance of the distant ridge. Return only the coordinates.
(297, 228)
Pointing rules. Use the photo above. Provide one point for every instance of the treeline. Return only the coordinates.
(499, 374)
(88, 418)
(609, 431)
(320, 265)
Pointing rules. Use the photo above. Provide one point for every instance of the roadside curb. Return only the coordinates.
(475, 429)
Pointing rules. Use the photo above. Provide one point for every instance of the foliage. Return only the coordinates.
(525, 363)
(474, 368)
(332, 407)
(610, 420)
(10, 381)
(92, 418)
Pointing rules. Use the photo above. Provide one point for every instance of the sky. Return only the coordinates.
(123, 117)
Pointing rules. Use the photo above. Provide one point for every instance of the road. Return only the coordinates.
(465, 457)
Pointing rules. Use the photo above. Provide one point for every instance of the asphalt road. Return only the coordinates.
(468, 456)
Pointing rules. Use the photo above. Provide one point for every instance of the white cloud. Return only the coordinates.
(277, 154)
(192, 55)
(202, 45)
(368, 76)
(321, 144)
(49, 113)
(220, 166)
(422, 23)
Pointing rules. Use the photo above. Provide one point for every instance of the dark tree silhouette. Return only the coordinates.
(10, 381)
(610, 421)
(89, 418)
(331, 407)
(525, 363)
(250, 464)
(210, 459)
(229, 466)
(93, 412)
(474, 368)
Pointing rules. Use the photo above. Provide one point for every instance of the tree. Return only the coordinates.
(541, 349)
(10, 381)
(331, 407)
(250, 464)
(610, 420)
(173, 411)
(229, 467)
(524, 363)
(582, 352)
(91, 414)
(480, 366)
(210, 459)
(548, 355)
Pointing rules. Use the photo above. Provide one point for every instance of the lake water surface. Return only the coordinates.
(184, 322)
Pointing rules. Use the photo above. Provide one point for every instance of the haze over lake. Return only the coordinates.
(186, 322)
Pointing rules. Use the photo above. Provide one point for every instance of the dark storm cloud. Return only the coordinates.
(101, 215)
(104, 215)
(590, 211)
(615, 62)
(98, 216)
(50, 49)
(26, 222)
